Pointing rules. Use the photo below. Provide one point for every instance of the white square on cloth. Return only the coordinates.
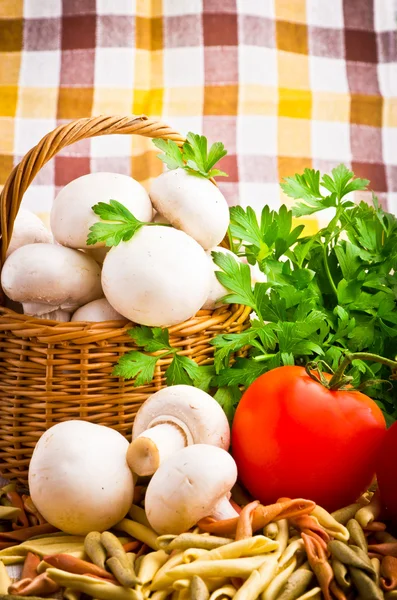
(325, 13)
(327, 136)
(257, 135)
(114, 67)
(34, 9)
(328, 74)
(40, 69)
(114, 7)
(176, 72)
(257, 65)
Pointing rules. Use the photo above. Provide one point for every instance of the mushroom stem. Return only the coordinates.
(223, 510)
(43, 310)
(152, 447)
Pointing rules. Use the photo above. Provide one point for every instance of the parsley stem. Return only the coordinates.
(158, 224)
(328, 272)
(263, 357)
(230, 239)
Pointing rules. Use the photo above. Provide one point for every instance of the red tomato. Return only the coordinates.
(386, 472)
(292, 437)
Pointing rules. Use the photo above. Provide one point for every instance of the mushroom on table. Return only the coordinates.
(78, 477)
(172, 418)
(193, 483)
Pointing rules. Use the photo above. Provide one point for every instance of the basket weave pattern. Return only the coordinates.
(52, 371)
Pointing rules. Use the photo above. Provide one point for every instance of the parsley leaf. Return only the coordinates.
(203, 377)
(307, 187)
(152, 339)
(172, 155)
(228, 398)
(193, 156)
(122, 228)
(348, 256)
(181, 370)
(197, 157)
(244, 372)
(227, 343)
(120, 225)
(343, 182)
(274, 232)
(236, 277)
(138, 365)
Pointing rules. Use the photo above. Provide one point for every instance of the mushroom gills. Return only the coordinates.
(42, 310)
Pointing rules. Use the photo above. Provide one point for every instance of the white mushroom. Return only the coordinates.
(51, 281)
(160, 277)
(79, 479)
(193, 483)
(193, 204)
(217, 290)
(72, 214)
(170, 419)
(97, 310)
(256, 274)
(28, 229)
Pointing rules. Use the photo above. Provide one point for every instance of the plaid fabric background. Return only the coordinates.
(284, 84)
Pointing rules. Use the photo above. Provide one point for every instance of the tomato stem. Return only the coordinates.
(339, 379)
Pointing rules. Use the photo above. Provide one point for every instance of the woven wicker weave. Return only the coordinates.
(52, 371)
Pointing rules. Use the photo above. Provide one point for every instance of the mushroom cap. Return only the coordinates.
(188, 486)
(51, 274)
(193, 204)
(28, 229)
(72, 214)
(202, 415)
(217, 290)
(79, 479)
(160, 277)
(97, 310)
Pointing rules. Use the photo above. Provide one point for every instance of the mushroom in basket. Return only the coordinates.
(51, 281)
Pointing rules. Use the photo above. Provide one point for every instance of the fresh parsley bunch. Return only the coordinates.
(326, 295)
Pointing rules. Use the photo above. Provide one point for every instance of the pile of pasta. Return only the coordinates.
(289, 550)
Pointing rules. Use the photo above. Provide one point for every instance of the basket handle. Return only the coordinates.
(23, 174)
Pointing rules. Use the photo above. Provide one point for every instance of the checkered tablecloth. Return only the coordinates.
(284, 84)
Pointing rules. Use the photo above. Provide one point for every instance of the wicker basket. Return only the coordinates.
(52, 371)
